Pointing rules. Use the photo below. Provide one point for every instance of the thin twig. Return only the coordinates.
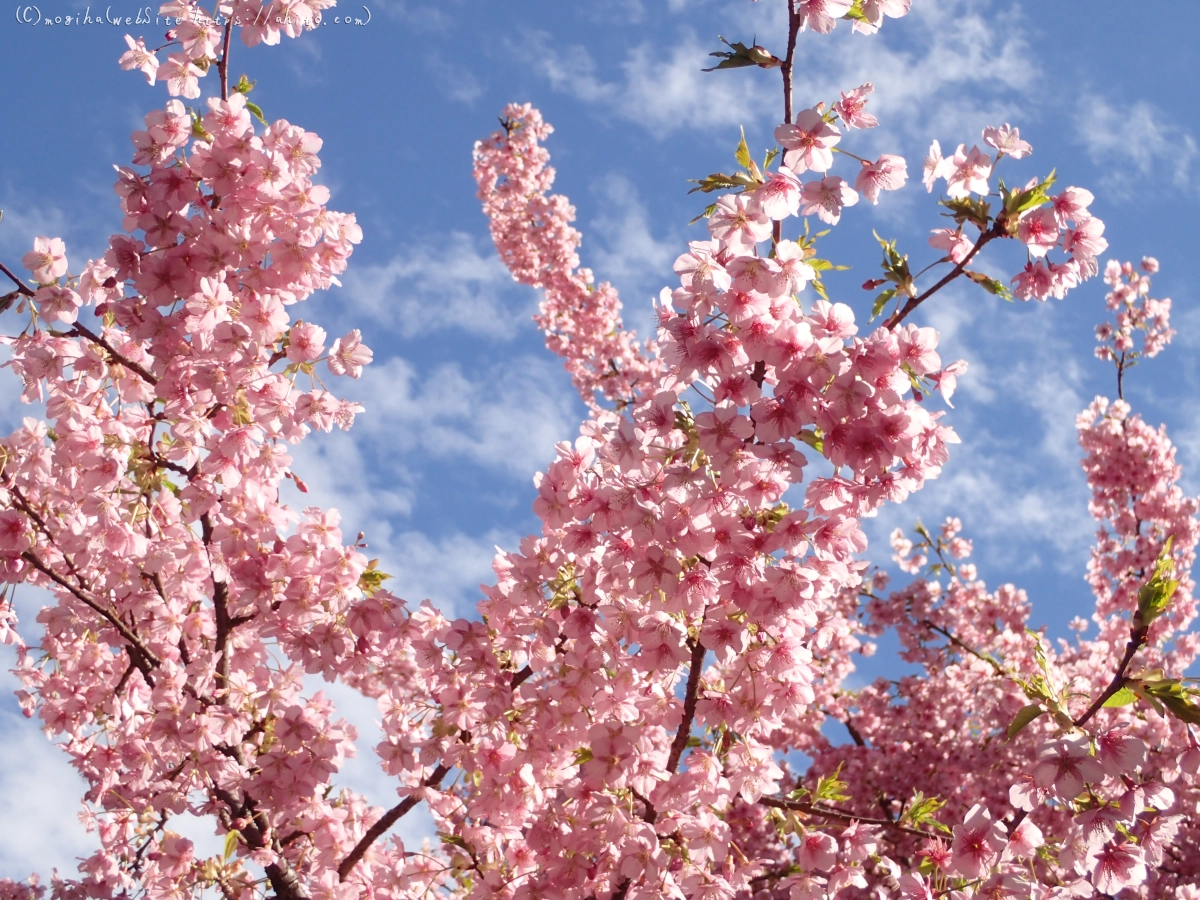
(389, 818)
(897, 317)
(829, 812)
(689, 706)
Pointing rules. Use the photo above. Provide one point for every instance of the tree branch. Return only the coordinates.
(829, 812)
(389, 818)
(21, 286)
(689, 706)
(897, 317)
(82, 330)
(144, 658)
(1137, 637)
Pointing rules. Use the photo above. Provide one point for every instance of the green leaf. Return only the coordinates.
(1155, 595)
(244, 85)
(582, 755)
(372, 578)
(770, 158)
(1182, 708)
(1023, 718)
(969, 209)
(739, 56)
(855, 13)
(255, 111)
(742, 154)
(231, 842)
(991, 285)
(719, 181)
(1123, 697)
(708, 211)
(813, 439)
(921, 811)
(1018, 202)
(880, 302)
(831, 789)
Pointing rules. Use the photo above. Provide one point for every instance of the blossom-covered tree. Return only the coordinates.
(619, 720)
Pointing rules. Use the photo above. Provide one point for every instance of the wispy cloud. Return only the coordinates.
(627, 253)
(454, 282)
(657, 86)
(1132, 143)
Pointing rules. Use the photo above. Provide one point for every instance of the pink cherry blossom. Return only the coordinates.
(827, 198)
(851, 109)
(888, 173)
(47, 260)
(808, 144)
(1007, 140)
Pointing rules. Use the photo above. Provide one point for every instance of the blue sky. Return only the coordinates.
(464, 404)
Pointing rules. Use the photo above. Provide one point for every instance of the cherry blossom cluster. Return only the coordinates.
(1041, 221)
(624, 717)
(188, 602)
(1129, 297)
(534, 237)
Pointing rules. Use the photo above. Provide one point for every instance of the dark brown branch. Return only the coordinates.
(786, 69)
(141, 655)
(21, 286)
(964, 646)
(81, 330)
(389, 818)
(223, 65)
(829, 812)
(689, 706)
(1137, 637)
(997, 230)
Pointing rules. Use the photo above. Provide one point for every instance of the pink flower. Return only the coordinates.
(822, 15)
(14, 532)
(1120, 753)
(956, 244)
(817, 850)
(935, 166)
(138, 57)
(967, 173)
(1116, 866)
(779, 197)
(1085, 242)
(888, 173)
(349, 354)
(1066, 765)
(978, 842)
(1072, 204)
(738, 223)
(914, 887)
(874, 10)
(827, 197)
(1007, 140)
(851, 109)
(1024, 841)
(1038, 231)
(306, 342)
(47, 260)
(808, 143)
(181, 75)
(56, 303)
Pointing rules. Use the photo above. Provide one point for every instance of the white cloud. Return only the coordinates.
(436, 285)
(454, 79)
(949, 68)
(660, 88)
(1015, 479)
(1134, 143)
(627, 253)
(39, 801)
(505, 419)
